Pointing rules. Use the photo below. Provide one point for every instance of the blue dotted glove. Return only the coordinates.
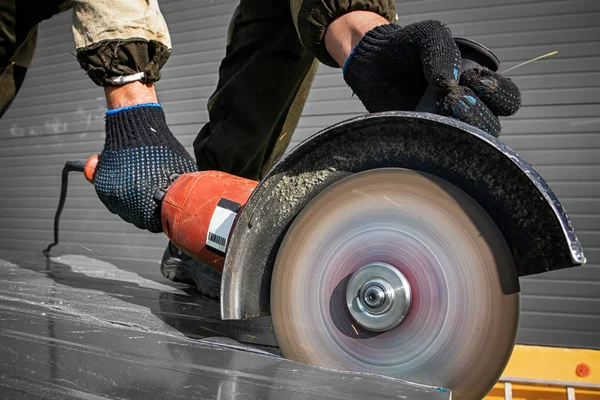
(480, 98)
(140, 156)
(392, 66)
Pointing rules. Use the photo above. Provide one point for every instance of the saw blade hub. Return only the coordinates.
(378, 296)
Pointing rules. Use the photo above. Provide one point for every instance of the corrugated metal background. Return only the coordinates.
(59, 115)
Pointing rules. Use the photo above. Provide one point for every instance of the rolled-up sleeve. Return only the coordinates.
(312, 17)
(120, 41)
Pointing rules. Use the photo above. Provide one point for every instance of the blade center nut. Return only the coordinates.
(378, 296)
(374, 296)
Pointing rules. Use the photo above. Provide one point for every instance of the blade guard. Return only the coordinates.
(527, 212)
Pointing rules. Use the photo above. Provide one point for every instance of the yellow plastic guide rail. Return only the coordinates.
(549, 373)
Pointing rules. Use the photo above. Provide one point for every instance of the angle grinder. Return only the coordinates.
(384, 258)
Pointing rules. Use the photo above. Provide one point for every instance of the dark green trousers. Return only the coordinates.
(263, 84)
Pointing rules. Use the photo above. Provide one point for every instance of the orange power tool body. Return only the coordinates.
(198, 211)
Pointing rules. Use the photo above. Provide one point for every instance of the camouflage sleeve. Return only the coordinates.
(120, 41)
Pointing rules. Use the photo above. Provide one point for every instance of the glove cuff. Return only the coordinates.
(368, 48)
(137, 126)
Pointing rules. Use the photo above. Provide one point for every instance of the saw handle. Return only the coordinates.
(89, 169)
(474, 55)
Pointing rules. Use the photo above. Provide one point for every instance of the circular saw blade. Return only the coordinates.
(460, 328)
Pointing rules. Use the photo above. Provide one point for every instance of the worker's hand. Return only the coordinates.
(140, 156)
(392, 66)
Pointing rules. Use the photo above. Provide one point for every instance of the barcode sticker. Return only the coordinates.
(220, 226)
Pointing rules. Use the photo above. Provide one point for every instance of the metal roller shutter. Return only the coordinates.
(59, 115)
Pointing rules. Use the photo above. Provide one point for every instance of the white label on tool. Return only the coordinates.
(220, 225)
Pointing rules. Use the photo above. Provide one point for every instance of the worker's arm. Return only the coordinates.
(122, 45)
(389, 67)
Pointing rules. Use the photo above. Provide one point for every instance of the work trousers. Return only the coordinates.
(273, 50)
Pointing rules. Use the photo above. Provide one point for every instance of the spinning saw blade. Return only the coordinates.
(395, 272)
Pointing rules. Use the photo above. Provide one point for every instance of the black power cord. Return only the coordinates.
(75, 165)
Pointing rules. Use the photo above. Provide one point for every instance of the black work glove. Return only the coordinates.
(140, 156)
(392, 66)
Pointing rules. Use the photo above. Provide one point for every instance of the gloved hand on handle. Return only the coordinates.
(392, 66)
(140, 156)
